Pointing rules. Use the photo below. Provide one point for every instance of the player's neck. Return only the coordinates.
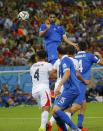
(71, 56)
(39, 60)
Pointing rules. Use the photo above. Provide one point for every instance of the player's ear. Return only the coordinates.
(47, 21)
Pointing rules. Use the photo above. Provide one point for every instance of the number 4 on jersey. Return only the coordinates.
(36, 75)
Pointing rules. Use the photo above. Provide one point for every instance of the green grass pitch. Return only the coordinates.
(27, 118)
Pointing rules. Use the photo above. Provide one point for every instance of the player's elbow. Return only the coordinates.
(101, 62)
(52, 75)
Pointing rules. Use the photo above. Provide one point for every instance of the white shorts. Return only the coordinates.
(42, 95)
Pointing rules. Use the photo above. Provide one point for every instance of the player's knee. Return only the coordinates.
(75, 108)
(46, 108)
(56, 108)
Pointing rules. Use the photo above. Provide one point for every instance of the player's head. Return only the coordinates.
(32, 59)
(83, 46)
(41, 55)
(52, 17)
(71, 50)
(61, 50)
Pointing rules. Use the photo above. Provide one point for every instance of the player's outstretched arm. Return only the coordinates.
(101, 62)
(69, 41)
(63, 80)
(86, 82)
(100, 57)
(42, 33)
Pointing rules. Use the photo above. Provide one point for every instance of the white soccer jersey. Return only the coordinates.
(56, 67)
(40, 73)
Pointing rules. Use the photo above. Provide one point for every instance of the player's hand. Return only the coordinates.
(76, 46)
(98, 54)
(87, 82)
(47, 22)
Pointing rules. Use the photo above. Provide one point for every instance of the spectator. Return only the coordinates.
(6, 97)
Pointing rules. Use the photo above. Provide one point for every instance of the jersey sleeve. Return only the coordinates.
(63, 31)
(94, 59)
(42, 27)
(65, 65)
(50, 67)
(60, 30)
(55, 66)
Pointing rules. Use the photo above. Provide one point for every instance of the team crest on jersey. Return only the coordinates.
(64, 66)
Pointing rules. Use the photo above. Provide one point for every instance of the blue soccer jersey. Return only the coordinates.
(86, 61)
(72, 82)
(52, 40)
(71, 86)
(54, 34)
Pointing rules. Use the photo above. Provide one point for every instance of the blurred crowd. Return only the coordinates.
(14, 98)
(19, 40)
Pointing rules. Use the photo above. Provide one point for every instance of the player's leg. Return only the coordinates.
(45, 104)
(64, 101)
(83, 106)
(77, 104)
(52, 52)
(81, 116)
(52, 120)
(60, 124)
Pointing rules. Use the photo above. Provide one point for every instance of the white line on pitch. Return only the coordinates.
(39, 118)
(93, 117)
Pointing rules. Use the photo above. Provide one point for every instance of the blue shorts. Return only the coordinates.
(66, 99)
(81, 98)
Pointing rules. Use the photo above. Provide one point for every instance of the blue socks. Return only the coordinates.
(64, 117)
(80, 120)
(60, 123)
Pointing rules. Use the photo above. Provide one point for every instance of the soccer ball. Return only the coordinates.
(23, 15)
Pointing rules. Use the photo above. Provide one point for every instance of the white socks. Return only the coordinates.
(69, 114)
(52, 120)
(44, 118)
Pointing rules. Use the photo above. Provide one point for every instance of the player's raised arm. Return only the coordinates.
(67, 40)
(86, 82)
(44, 28)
